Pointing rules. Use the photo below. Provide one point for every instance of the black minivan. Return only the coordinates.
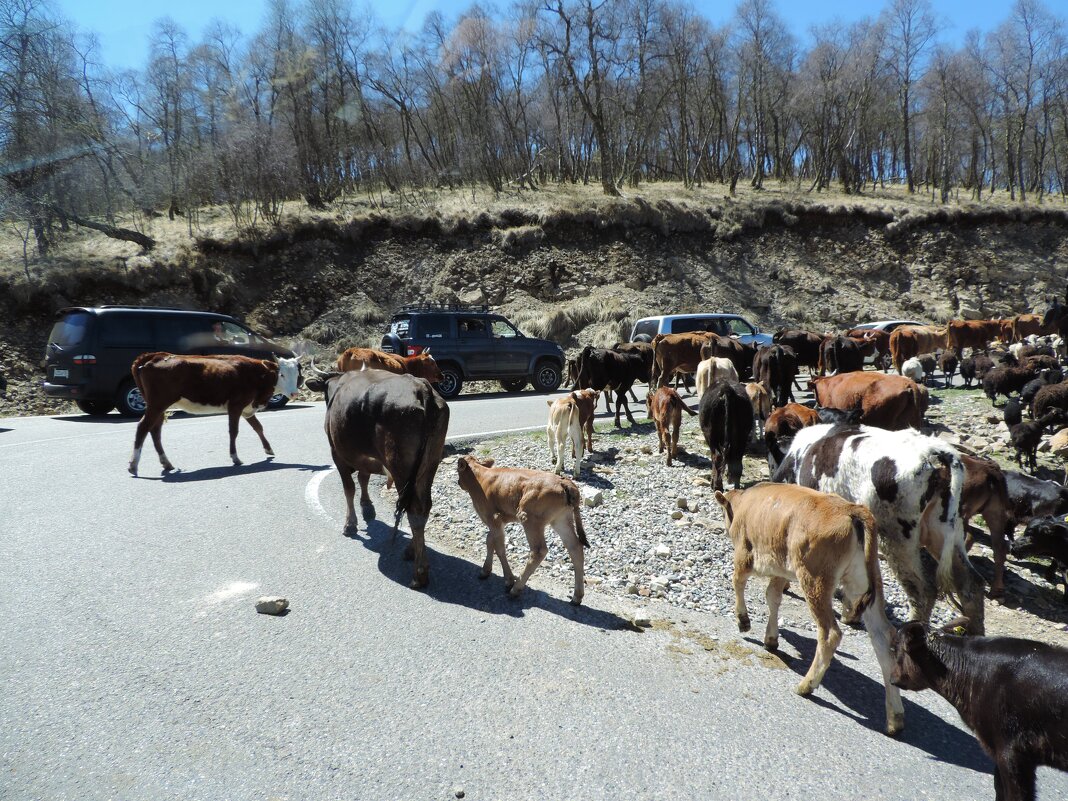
(90, 350)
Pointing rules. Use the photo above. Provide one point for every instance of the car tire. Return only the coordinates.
(451, 381)
(277, 402)
(514, 384)
(95, 408)
(129, 400)
(547, 377)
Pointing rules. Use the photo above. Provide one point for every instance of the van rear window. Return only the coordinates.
(648, 327)
(69, 331)
(399, 327)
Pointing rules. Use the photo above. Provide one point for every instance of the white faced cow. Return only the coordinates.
(237, 385)
(912, 484)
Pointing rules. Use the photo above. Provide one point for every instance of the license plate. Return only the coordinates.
(60, 374)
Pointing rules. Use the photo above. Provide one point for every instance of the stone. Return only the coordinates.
(676, 515)
(632, 589)
(458, 792)
(701, 482)
(592, 498)
(271, 604)
(647, 449)
(662, 551)
(641, 619)
(681, 503)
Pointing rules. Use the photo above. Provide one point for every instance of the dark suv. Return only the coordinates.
(471, 343)
(90, 350)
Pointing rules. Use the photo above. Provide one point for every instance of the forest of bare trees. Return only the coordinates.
(322, 103)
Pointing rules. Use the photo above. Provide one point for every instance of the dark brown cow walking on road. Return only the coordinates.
(237, 385)
(382, 423)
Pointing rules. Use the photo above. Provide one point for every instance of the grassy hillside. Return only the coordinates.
(567, 263)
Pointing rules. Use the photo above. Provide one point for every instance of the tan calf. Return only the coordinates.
(713, 369)
(535, 499)
(789, 533)
(564, 423)
(665, 408)
(761, 400)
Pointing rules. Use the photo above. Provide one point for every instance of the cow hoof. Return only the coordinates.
(237, 462)
(895, 725)
(576, 601)
(743, 624)
(804, 689)
(771, 643)
(997, 592)
(484, 574)
(409, 553)
(268, 451)
(514, 593)
(168, 467)
(132, 469)
(419, 582)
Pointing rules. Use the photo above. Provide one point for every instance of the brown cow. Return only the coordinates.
(790, 533)
(878, 338)
(887, 401)
(976, 334)
(985, 493)
(422, 365)
(1024, 325)
(912, 340)
(665, 408)
(676, 353)
(781, 426)
(237, 385)
(535, 499)
(806, 344)
(761, 400)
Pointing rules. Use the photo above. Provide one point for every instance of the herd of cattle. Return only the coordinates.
(851, 478)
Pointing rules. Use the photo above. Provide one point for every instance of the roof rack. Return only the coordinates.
(427, 306)
(146, 308)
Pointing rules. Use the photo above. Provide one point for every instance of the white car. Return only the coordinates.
(885, 325)
(724, 324)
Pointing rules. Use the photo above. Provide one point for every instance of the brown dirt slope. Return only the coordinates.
(577, 276)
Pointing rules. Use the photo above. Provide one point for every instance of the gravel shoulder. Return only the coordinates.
(656, 532)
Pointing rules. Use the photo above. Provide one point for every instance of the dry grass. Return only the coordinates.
(520, 219)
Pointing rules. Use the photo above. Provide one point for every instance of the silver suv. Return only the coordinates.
(724, 324)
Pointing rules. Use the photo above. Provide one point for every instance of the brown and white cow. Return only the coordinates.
(387, 424)
(237, 385)
(533, 498)
(788, 533)
(912, 484)
(713, 369)
(571, 417)
(421, 365)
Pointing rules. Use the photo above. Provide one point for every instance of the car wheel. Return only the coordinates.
(514, 385)
(547, 377)
(451, 382)
(95, 408)
(277, 402)
(130, 402)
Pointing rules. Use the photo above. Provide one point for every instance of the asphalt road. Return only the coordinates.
(133, 665)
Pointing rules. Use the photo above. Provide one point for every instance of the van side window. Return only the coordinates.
(126, 331)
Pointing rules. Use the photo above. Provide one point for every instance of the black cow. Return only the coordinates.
(726, 418)
(1031, 388)
(840, 355)
(1046, 537)
(603, 369)
(805, 344)
(1033, 497)
(1012, 693)
(776, 368)
(383, 423)
(647, 354)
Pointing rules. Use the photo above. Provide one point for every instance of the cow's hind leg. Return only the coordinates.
(495, 544)
(565, 527)
(350, 492)
(535, 530)
(743, 567)
(820, 603)
(257, 426)
(776, 587)
(621, 397)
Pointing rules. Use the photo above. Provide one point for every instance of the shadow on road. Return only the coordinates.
(455, 581)
(92, 418)
(862, 700)
(228, 471)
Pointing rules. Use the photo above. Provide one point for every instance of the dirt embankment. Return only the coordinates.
(578, 277)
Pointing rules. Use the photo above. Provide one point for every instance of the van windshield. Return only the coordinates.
(69, 331)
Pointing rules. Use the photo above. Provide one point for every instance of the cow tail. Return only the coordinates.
(574, 500)
(952, 545)
(406, 494)
(686, 407)
(864, 528)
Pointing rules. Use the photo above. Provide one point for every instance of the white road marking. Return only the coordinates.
(311, 496)
(481, 434)
(229, 591)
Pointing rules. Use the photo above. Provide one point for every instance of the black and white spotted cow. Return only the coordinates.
(912, 484)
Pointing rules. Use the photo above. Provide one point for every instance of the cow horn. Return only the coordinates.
(317, 371)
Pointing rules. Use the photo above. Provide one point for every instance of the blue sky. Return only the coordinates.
(123, 26)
